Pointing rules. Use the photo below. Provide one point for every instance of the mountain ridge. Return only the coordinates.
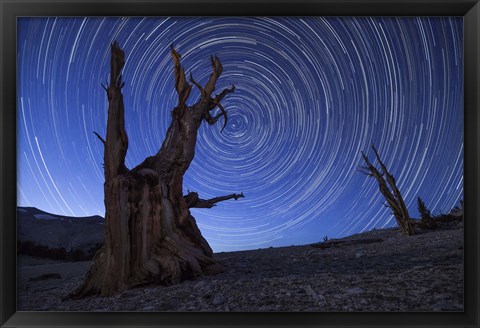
(43, 234)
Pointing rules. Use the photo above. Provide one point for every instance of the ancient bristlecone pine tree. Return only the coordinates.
(150, 235)
(393, 197)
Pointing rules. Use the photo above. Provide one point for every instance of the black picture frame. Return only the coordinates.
(10, 10)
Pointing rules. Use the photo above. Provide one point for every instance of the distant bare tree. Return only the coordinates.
(392, 195)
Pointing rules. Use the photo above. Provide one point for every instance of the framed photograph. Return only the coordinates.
(219, 163)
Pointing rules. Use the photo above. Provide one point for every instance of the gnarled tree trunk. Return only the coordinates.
(150, 235)
(393, 197)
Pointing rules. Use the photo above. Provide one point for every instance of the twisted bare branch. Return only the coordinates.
(99, 137)
(193, 201)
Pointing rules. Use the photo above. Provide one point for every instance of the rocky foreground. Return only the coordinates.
(418, 273)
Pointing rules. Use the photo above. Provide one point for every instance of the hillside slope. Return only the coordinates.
(60, 237)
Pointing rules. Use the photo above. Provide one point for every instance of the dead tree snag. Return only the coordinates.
(392, 195)
(150, 235)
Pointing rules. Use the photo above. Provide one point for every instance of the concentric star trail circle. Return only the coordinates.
(311, 94)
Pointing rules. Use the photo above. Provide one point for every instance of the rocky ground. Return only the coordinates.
(418, 273)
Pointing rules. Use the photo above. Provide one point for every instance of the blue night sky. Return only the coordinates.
(311, 94)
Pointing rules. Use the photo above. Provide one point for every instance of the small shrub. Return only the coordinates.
(426, 220)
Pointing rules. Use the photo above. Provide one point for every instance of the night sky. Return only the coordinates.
(311, 94)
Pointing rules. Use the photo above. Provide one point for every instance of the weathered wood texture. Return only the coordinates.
(150, 235)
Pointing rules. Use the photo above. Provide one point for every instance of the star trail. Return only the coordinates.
(311, 94)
